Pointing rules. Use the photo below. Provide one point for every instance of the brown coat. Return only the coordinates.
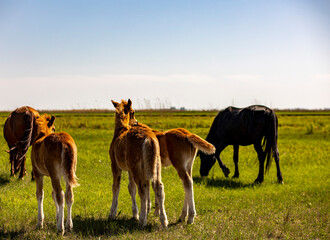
(135, 150)
(54, 155)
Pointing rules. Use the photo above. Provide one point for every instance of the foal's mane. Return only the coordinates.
(42, 127)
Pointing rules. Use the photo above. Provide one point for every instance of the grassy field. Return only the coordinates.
(226, 208)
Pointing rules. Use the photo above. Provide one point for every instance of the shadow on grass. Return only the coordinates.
(4, 179)
(226, 183)
(11, 234)
(104, 227)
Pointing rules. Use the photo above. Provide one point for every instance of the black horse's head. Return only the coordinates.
(207, 162)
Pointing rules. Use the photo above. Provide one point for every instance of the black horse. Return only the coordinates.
(255, 125)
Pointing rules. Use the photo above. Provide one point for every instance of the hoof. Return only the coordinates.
(69, 226)
(142, 223)
(258, 181)
(190, 220)
(226, 172)
(60, 232)
(39, 226)
(165, 224)
(182, 218)
(111, 216)
(191, 217)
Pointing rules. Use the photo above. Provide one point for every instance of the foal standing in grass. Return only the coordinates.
(179, 147)
(136, 150)
(54, 155)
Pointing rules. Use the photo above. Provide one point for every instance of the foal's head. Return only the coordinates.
(44, 125)
(125, 115)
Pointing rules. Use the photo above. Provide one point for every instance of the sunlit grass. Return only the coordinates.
(226, 208)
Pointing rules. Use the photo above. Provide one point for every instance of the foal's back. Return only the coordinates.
(54, 152)
(134, 146)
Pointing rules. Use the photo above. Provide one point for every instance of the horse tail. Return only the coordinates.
(201, 144)
(22, 146)
(151, 163)
(69, 162)
(270, 139)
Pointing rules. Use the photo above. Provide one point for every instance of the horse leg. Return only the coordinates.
(56, 205)
(158, 188)
(236, 148)
(116, 174)
(157, 211)
(58, 196)
(142, 189)
(132, 192)
(69, 202)
(189, 204)
(223, 167)
(40, 198)
(23, 169)
(148, 198)
(182, 174)
(261, 157)
(191, 201)
(277, 160)
(12, 163)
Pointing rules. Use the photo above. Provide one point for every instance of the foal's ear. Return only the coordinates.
(51, 121)
(129, 103)
(115, 104)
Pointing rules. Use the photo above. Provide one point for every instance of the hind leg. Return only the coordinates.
(261, 157)
(189, 204)
(23, 169)
(185, 207)
(183, 176)
(58, 196)
(116, 174)
(156, 213)
(158, 188)
(56, 205)
(132, 192)
(40, 198)
(69, 202)
(277, 160)
(148, 198)
(142, 189)
(12, 163)
(191, 201)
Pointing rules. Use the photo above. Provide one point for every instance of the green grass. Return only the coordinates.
(226, 208)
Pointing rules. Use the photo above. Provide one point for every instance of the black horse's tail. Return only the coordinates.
(270, 140)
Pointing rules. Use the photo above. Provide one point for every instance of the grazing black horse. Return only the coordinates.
(255, 125)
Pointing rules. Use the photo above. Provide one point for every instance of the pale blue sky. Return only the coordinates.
(193, 54)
